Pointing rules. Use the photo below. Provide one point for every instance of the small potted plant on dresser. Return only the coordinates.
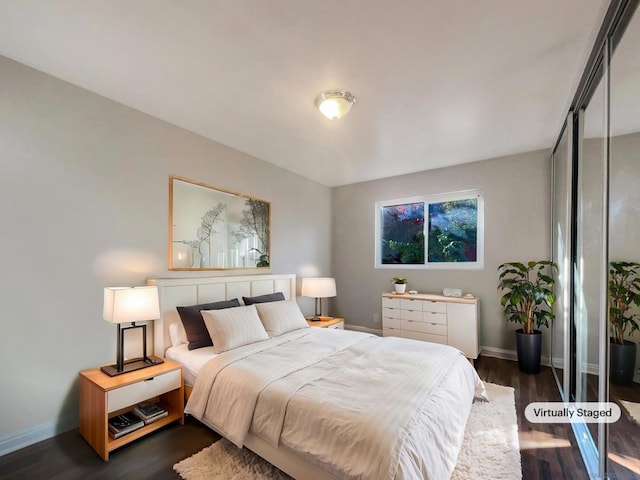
(400, 284)
(624, 292)
(528, 300)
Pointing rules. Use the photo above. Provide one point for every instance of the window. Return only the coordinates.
(450, 236)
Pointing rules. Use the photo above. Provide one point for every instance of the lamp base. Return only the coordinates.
(132, 365)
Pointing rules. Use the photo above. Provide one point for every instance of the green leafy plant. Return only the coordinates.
(399, 280)
(528, 297)
(624, 291)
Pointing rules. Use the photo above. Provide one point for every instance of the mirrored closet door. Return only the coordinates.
(596, 241)
(624, 237)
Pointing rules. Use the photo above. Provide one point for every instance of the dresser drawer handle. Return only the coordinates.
(149, 379)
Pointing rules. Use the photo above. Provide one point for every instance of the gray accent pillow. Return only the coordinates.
(270, 297)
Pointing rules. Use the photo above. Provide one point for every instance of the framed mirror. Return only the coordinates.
(214, 229)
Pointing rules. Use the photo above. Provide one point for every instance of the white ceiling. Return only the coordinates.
(437, 82)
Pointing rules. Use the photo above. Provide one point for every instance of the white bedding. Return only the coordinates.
(360, 406)
(192, 361)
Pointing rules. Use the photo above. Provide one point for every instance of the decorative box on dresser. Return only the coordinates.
(433, 318)
(102, 397)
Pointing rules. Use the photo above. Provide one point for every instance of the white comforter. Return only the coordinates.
(361, 406)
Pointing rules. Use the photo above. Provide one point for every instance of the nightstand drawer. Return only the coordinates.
(337, 326)
(140, 391)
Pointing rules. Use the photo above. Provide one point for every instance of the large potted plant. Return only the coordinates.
(528, 300)
(624, 293)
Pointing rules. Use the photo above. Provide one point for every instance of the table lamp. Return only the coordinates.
(130, 305)
(320, 287)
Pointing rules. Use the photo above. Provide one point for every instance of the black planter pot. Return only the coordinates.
(529, 350)
(622, 362)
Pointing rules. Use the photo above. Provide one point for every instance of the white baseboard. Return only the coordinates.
(44, 431)
(504, 354)
(358, 328)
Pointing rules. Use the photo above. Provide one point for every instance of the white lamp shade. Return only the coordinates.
(320, 287)
(130, 304)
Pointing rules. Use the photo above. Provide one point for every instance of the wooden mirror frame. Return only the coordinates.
(215, 229)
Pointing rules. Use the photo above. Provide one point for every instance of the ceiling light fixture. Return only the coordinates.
(335, 104)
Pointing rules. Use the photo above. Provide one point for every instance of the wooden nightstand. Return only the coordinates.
(331, 322)
(102, 397)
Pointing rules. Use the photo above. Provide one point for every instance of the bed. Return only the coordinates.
(325, 413)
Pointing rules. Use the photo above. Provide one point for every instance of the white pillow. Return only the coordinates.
(177, 334)
(233, 327)
(281, 317)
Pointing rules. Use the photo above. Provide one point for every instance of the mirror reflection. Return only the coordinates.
(213, 229)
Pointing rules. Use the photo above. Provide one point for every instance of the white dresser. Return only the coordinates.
(433, 318)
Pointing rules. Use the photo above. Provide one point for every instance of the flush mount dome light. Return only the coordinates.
(335, 104)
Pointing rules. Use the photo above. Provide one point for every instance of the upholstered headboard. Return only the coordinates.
(173, 292)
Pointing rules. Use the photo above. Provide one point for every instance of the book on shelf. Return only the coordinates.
(124, 423)
(150, 412)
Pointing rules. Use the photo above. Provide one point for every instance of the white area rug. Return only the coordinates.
(633, 409)
(490, 449)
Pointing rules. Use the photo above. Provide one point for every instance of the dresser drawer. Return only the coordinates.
(390, 322)
(425, 337)
(431, 306)
(391, 332)
(434, 317)
(415, 315)
(391, 302)
(391, 312)
(140, 391)
(411, 304)
(435, 329)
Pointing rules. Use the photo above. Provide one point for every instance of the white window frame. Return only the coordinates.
(429, 199)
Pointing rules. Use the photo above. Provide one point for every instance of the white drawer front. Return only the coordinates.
(391, 312)
(435, 329)
(411, 326)
(430, 306)
(339, 326)
(390, 322)
(391, 332)
(433, 317)
(410, 304)
(425, 337)
(415, 315)
(391, 302)
(138, 392)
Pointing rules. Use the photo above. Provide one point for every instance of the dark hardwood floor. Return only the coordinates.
(548, 451)
(68, 456)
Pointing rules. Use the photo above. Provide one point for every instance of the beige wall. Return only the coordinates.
(84, 205)
(517, 221)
